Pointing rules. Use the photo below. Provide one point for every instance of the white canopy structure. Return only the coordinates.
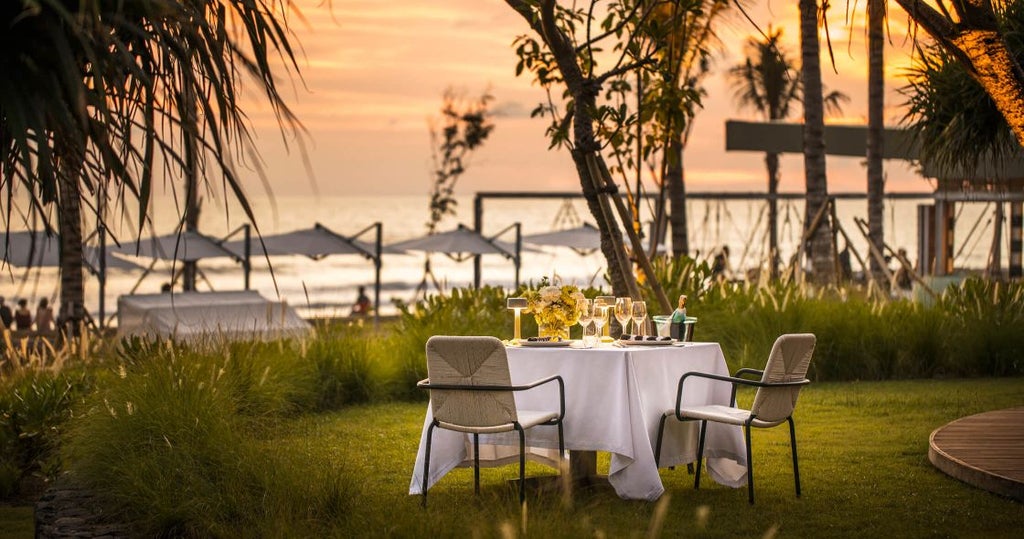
(583, 239)
(208, 316)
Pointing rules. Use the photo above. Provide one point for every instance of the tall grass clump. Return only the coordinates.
(986, 323)
(34, 409)
(171, 441)
(348, 366)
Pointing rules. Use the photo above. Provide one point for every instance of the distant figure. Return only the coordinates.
(165, 288)
(720, 265)
(6, 316)
(902, 282)
(44, 316)
(845, 267)
(23, 316)
(362, 306)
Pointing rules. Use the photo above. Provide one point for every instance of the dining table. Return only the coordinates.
(615, 396)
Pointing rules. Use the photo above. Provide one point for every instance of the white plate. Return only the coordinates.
(544, 344)
(621, 342)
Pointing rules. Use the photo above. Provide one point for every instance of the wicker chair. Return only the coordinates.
(471, 391)
(778, 388)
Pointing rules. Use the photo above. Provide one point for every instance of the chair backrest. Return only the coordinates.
(470, 361)
(788, 362)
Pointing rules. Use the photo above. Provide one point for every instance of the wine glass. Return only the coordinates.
(639, 315)
(586, 309)
(600, 317)
(623, 312)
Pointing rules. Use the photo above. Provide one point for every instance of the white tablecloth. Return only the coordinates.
(614, 398)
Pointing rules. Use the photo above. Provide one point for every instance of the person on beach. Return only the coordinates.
(902, 282)
(362, 306)
(720, 265)
(44, 316)
(6, 315)
(23, 316)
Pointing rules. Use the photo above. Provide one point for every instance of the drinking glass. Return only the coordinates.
(590, 336)
(623, 312)
(600, 317)
(639, 315)
(586, 310)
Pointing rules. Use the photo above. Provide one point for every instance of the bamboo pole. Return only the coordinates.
(638, 248)
(620, 250)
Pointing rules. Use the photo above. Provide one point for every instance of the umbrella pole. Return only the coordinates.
(103, 273)
(378, 247)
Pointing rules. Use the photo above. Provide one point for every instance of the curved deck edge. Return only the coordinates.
(965, 449)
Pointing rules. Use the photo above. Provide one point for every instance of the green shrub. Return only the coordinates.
(169, 444)
(348, 367)
(34, 409)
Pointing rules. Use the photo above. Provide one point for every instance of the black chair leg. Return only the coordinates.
(657, 445)
(522, 464)
(796, 465)
(700, 453)
(750, 466)
(426, 463)
(561, 442)
(476, 463)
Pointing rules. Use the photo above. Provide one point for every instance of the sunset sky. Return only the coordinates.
(373, 73)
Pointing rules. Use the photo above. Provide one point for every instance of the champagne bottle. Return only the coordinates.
(677, 327)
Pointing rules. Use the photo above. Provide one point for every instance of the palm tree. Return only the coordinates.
(95, 99)
(768, 83)
(686, 52)
(971, 33)
(820, 240)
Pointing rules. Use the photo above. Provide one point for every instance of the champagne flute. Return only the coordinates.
(586, 309)
(623, 312)
(639, 315)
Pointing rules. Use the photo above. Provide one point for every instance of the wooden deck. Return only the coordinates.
(985, 450)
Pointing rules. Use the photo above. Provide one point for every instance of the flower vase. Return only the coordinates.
(553, 330)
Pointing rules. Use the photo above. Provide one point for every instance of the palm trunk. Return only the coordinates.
(820, 242)
(771, 161)
(189, 270)
(875, 140)
(72, 287)
(677, 198)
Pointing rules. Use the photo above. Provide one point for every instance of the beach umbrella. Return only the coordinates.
(582, 239)
(37, 250)
(185, 247)
(316, 243)
(462, 243)
(459, 244)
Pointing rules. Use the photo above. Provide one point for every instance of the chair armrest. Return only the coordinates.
(425, 384)
(748, 371)
(735, 381)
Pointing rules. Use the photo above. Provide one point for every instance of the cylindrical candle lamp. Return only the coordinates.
(517, 305)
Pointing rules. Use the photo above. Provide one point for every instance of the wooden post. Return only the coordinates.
(1016, 224)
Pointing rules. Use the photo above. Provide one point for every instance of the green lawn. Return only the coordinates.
(864, 464)
(864, 470)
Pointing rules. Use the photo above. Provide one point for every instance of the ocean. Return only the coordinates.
(328, 287)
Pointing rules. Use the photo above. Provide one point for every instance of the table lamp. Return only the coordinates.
(605, 302)
(517, 305)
